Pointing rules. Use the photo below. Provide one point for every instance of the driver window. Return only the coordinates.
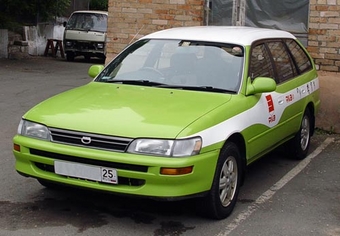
(260, 64)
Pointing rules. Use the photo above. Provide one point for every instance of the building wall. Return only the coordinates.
(324, 46)
(324, 34)
(131, 19)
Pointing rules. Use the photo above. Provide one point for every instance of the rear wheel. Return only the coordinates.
(299, 145)
(221, 200)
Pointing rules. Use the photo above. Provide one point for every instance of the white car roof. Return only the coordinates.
(240, 35)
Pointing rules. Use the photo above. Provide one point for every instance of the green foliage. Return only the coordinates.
(47, 9)
(30, 11)
(7, 23)
(99, 5)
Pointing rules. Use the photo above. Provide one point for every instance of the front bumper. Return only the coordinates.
(137, 174)
(87, 47)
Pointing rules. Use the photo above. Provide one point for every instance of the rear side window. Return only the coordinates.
(280, 59)
(301, 59)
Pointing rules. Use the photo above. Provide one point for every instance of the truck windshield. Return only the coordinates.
(88, 22)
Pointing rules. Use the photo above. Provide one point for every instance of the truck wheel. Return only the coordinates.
(221, 200)
(70, 56)
(87, 58)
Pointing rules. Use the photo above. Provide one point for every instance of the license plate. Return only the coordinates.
(96, 173)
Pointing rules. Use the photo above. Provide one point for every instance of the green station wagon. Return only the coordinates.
(179, 113)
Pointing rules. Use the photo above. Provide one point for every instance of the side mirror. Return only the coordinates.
(260, 85)
(95, 70)
(64, 23)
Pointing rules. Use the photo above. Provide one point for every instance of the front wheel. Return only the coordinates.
(221, 200)
(70, 56)
(87, 58)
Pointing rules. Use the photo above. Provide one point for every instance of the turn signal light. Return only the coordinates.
(16, 147)
(176, 171)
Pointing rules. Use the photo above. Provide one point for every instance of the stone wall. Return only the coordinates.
(324, 47)
(324, 34)
(131, 19)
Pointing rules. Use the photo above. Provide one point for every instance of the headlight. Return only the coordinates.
(100, 45)
(68, 43)
(168, 148)
(34, 130)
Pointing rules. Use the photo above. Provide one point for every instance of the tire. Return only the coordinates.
(221, 200)
(299, 145)
(87, 58)
(70, 56)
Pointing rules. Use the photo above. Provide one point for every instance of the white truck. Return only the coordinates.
(85, 35)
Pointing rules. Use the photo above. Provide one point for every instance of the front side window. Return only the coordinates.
(260, 63)
(178, 63)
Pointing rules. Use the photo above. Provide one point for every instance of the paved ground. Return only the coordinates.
(280, 196)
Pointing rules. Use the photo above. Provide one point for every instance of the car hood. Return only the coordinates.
(126, 110)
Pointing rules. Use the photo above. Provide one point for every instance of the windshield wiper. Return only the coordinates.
(199, 88)
(135, 82)
(161, 85)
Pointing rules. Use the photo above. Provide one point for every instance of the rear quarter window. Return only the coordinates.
(300, 57)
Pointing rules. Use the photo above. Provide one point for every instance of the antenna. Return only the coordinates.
(136, 34)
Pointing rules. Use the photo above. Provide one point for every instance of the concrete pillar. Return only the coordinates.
(3, 43)
(239, 12)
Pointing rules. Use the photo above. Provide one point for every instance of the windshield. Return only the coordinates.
(178, 64)
(88, 22)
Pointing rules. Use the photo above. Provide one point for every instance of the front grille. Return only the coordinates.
(82, 46)
(89, 140)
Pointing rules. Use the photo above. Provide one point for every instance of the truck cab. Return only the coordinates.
(85, 35)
